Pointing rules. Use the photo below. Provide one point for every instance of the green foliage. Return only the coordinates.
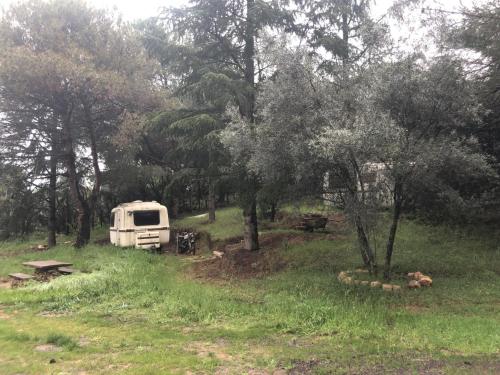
(72, 79)
(345, 30)
(19, 206)
(476, 31)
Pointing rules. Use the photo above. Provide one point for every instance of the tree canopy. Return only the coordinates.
(258, 103)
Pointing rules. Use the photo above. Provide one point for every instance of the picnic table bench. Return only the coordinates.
(19, 276)
(44, 271)
(46, 265)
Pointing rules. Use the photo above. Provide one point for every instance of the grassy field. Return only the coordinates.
(133, 312)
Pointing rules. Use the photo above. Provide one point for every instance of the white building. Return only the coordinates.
(376, 186)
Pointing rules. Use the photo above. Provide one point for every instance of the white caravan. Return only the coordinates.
(141, 224)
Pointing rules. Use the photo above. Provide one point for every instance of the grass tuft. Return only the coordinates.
(61, 340)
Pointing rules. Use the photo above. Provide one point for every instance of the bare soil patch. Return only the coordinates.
(222, 370)
(51, 314)
(431, 366)
(209, 349)
(243, 264)
(48, 348)
(304, 367)
(5, 284)
(238, 263)
(83, 341)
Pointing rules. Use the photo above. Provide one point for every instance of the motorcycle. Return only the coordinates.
(186, 243)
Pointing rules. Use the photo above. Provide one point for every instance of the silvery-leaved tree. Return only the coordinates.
(405, 118)
(295, 108)
(347, 41)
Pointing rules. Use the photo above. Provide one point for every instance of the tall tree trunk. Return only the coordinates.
(366, 250)
(354, 207)
(175, 207)
(249, 56)
(345, 32)
(67, 215)
(85, 225)
(251, 234)
(272, 216)
(364, 245)
(52, 220)
(398, 202)
(81, 206)
(96, 189)
(198, 194)
(211, 200)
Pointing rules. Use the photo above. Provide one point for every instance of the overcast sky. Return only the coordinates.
(135, 9)
(410, 30)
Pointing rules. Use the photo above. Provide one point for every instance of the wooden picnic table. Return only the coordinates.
(46, 265)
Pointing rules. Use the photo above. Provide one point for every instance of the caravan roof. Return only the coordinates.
(139, 205)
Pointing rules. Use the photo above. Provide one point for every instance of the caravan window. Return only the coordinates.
(143, 218)
(112, 220)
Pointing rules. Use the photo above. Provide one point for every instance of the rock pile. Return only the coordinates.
(348, 278)
(415, 280)
(391, 288)
(418, 279)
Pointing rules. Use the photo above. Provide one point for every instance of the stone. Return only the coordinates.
(387, 287)
(391, 288)
(413, 284)
(425, 281)
(347, 280)
(357, 282)
(361, 270)
(417, 275)
(342, 275)
(365, 282)
(375, 284)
